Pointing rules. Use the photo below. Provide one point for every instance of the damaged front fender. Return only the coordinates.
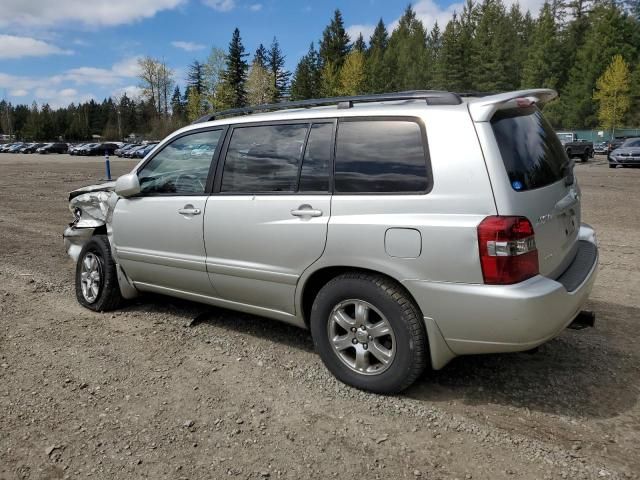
(92, 208)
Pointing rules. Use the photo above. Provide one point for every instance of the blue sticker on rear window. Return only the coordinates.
(517, 185)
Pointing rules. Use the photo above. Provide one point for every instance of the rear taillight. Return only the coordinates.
(508, 251)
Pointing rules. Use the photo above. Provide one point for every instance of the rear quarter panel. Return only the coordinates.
(446, 217)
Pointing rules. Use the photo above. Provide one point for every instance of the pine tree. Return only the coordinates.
(275, 66)
(610, 33)
(232, 90)
(260, 56)
(451, 69)
(352, 74)
(306, 79)
(335, 42)
(612, 94)
(544, 56)
(330, 80)
(492, 59)
(195, 77)
(359, 45)
(194, 107)
(177, 107)
(375, 67)
(434, 46)
(405, 57)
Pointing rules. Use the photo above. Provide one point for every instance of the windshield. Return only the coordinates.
(632, 142)
(565, 137)
(531, 151)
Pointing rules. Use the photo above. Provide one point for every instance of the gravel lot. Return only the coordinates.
(142, 394)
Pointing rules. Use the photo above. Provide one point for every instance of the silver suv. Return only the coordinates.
(401, 229)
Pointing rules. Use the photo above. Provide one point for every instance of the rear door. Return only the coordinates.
(267, 221)
(533, 177)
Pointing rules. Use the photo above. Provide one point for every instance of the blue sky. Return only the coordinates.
(62, 51)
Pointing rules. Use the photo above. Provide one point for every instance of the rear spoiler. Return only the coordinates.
(482, 109)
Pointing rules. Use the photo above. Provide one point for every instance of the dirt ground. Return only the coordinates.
(140, 393)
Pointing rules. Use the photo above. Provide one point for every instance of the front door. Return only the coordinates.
(268, 220)
(158, 233)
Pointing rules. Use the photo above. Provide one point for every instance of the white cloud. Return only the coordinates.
(220, 5)
(188, 46)
(132, 91)
(19, 92)
(94, 12)
(58, 90)
(256, 7)
(365, 30)
(12, 46)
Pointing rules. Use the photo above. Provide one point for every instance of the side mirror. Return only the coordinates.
(128, 185)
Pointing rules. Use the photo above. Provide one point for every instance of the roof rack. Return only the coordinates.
(432, 97)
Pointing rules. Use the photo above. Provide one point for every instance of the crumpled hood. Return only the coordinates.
(92, 206)
(101, 187)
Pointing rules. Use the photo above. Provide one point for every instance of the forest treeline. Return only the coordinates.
(588, 50)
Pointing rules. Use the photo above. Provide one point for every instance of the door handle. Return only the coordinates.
(189, 211)
(306, 211)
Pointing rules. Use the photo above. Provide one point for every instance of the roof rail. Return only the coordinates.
(432, 97)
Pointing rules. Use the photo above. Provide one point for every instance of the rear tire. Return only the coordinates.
(369, 333)
(97, 277)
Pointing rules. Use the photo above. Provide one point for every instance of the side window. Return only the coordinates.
(181, 167)
(380, 156)
(264, 158)
(314, 176)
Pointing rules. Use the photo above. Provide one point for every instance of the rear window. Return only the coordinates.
(531, 151)
(380, 156)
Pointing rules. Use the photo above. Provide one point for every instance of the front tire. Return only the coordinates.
(96, 276)
(369, 333)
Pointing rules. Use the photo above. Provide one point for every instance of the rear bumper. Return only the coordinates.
(490, 318)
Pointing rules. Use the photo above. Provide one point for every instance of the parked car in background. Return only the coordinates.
(75, 149)
(31, 148)
(627, 154)
(56, 147)
(141, 153)
(124, 148)
(396, 254)
(130, 153)
(99, 149)
(601, 148)
(575, 147)
(616, 143)
(15, 148)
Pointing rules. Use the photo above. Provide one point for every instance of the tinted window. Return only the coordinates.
(380, 156)
(632, 142)
(314, 176)
(264, 158)
(531, 151)
(182, 167)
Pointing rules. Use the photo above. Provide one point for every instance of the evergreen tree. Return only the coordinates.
(177, 107)
(195, 77)
(360, 45)
(275, 66)
(233, 93)
(612, 94)
(451, 69)
(375, 67)
(544, 58)
(492, 60)
(260, 56)
(335, 42)
(434, 46)
(306, 79)
(610, 33)
(405, 57)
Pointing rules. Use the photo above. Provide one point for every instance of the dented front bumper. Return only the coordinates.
(74, 240)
